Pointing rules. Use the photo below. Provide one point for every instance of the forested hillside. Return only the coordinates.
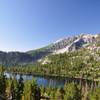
(66, 45)
(81, 63)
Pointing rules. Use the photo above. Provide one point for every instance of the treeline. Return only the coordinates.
(12, 89)
(81, 63)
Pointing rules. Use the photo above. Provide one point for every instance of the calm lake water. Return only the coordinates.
(44, 80)
(41, 80)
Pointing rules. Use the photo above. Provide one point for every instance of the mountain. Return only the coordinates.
(68, 44)
(75, 43)
(14, 58)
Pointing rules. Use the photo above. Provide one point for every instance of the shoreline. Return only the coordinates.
(54, 76)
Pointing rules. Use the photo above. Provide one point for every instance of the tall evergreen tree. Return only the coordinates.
(13, 90)
(35, 91)
(19, 89)
(72, 92)
(2, 83)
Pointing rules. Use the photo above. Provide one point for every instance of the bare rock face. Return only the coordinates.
(73, 43)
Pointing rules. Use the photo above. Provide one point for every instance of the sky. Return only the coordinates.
(32, 24)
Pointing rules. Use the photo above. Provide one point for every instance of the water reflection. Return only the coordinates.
(41, 80)
(50, 81)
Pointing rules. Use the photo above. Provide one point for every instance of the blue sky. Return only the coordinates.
(30, 24)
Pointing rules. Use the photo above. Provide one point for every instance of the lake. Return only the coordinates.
(48, 81)
(41, 80)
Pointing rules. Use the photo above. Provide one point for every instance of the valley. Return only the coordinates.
(69, 65)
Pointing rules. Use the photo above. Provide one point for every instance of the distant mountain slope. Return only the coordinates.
(69, 44)
(15, 58)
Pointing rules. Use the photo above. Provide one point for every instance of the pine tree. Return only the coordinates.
(2, 84)
(35, 91)
(19, 89)
(72, 92)
(13, 90)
